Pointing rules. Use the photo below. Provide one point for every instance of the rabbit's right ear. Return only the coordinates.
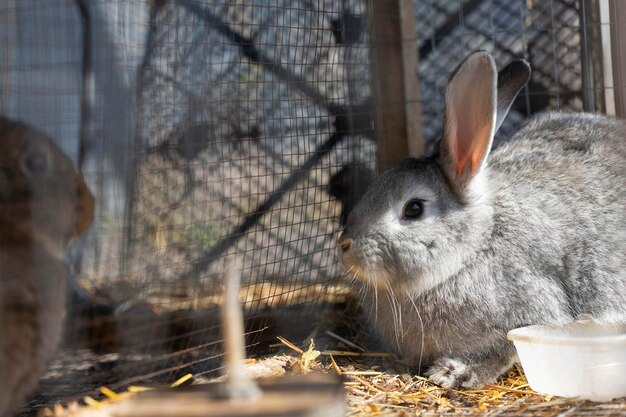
(470, 121)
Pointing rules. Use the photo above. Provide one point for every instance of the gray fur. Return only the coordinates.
(542, 240)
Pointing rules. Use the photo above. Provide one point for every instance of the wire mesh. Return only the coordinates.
(237, 127)
(546, 33)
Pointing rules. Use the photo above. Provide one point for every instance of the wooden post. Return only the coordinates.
(590, 57)
(395, 87)
(618, 54)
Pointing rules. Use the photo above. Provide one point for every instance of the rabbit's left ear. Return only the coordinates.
(511, 79)
(470, 120)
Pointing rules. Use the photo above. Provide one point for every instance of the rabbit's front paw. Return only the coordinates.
(453, 373)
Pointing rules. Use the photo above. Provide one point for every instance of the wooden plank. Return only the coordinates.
(395, 86)
(591, 56)
(618, 54)
(310, 395)
(412, 103)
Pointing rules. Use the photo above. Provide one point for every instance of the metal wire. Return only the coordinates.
(216, 128)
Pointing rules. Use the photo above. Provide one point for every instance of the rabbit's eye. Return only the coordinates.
(414, 209)
(36, 164)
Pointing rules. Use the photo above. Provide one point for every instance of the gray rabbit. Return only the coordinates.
(44, 206)
(456, 249)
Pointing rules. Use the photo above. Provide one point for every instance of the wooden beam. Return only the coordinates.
(591, 56)
(395, 86)
(617, 13)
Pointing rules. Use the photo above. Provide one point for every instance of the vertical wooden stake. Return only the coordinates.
(617, 12)
(239, 385)
(395, 87)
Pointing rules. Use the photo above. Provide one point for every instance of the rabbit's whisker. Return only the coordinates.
(375, 302)
(396, 312)
(421, 322)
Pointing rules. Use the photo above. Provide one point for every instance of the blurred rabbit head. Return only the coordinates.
(43, 199)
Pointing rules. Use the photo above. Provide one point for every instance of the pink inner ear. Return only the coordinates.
(480, 146)
(470, 115)
(463, 134)
(462, 149)
(472, 136)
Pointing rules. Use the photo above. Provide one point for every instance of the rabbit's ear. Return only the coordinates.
(511, 79)
(85, 205)
(470, 120)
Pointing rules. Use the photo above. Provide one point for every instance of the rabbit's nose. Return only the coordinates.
(345, 244)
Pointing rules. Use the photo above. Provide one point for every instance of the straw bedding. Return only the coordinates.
(376, 383)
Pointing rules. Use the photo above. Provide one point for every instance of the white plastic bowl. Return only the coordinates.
(583, 359)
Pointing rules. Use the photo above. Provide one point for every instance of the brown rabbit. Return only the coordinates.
(44, 206)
